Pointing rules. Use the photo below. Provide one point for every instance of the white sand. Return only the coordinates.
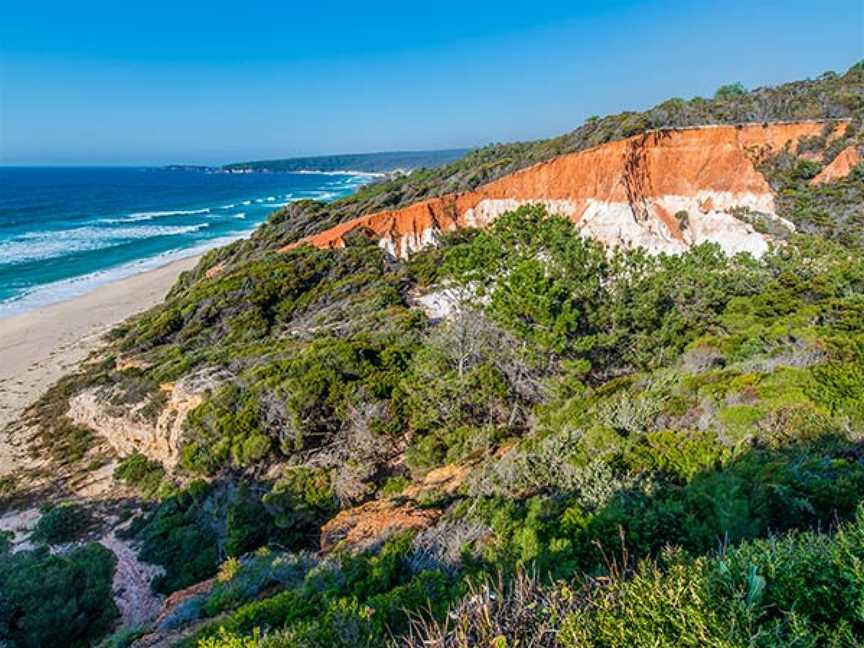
(39, 347)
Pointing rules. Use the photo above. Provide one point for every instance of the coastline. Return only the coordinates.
(42, 345)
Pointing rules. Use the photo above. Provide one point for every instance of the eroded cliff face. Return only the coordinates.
(664, 190)
(129, 430)
(840, 167)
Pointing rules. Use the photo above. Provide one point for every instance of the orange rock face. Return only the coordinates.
(630, 192)
(371, 523)
(840, 167)
(215, 271)
(178, 597)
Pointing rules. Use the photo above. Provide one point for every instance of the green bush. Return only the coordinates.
(140, 472)
(248, 524)
(179, 535)
(61, 523)
(360, 603)
(300, 501)
(56, 600)
(802, 589)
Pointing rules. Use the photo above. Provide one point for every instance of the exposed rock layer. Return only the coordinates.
(370, 524)
(840, 167)
(664, 190)
(128, 431)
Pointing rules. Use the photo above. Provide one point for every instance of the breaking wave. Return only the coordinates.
(37, 246)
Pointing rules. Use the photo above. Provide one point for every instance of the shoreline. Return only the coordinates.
(40, 346)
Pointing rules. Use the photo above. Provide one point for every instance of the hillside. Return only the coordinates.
(664, 191)
(599, 390)
(365, 162)
(831, 96)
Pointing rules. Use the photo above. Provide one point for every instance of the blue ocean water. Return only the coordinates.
(64, 231)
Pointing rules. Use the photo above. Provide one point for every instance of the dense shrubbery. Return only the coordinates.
(190, 532)
(181, 535)
(799, 590)
(834, 211)
(142, 473)
(358, 603)
(611, 406)
(51, 601)
(61, 523)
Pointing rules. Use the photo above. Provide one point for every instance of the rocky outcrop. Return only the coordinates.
(665, 190)
(446, 480)
(215, 271)
(176, 599)
(129, 430)
(840, 167)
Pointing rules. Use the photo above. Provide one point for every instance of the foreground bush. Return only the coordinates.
(804, 589)
(357, 603)
(49, 601)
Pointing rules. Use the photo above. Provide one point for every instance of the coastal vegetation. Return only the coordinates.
(594, 447)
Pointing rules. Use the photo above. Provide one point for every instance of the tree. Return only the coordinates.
(730, 91)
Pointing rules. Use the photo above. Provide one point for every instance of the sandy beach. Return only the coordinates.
(39, 347)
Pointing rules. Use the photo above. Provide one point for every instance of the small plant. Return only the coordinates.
(394, 486)
(228, 570)
(7, 485)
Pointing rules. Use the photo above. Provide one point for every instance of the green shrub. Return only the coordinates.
(179, 535)
(360, 603)
(6, 538)
(56, 600)
(801, 589)
(61, 523)
(300, 501)
(249, 524)
(140, 472)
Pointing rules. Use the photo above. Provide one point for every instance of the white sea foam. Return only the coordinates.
(37, 246)
(76, 286)
(240, 215)
(247, 202)
(150, 215)
(137, 217)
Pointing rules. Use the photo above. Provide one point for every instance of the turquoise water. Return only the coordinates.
(65, 231)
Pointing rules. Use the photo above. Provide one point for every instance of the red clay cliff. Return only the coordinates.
(664, 190)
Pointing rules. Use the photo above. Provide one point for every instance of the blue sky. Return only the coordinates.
(157, 82)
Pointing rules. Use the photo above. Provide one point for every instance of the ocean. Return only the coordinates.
(65, 231)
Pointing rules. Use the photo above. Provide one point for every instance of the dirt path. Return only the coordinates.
(132, 594)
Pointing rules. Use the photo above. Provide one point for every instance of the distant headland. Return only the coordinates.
(383, 163)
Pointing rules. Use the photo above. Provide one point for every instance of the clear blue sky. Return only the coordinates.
(180, 81)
